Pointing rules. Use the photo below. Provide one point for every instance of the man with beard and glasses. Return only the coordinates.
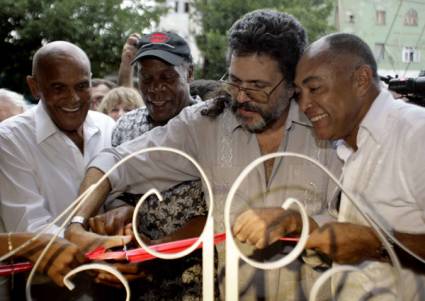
(224, 135)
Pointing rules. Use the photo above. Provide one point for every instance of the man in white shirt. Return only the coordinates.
(44, 151)
(383, 142)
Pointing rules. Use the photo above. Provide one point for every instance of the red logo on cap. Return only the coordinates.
(158, 37)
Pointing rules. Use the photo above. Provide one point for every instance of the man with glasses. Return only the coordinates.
(224, 135)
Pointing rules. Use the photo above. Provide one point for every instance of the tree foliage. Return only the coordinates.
(98, 27)
(216, 16)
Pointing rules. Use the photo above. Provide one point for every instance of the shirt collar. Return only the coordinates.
(296, 116)
(195, 99)
(90, 127)
(343, 150)
(374, 123)
(45, 127)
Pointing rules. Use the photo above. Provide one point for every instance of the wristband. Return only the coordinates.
(78, 219)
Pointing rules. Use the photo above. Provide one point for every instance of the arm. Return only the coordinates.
(348, 243)
(98, 197)
(125, 73)
(115, 222)
(193, 228)
(76, 232)
(262, 227)
(60, 259)
(159, 169)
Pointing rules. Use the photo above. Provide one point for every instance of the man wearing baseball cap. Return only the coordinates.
(165, 70)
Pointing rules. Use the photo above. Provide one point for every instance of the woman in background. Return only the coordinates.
(119, 101)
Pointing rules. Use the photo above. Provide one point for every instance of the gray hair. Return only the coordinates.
(14, 98)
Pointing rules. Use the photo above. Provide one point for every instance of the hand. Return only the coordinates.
(88, 241)
(345, 243)
(131, 271)
(130, 49)
(261, 227)
(60, 259)
(112, 222)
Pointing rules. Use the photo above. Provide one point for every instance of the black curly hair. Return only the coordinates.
(269, 32)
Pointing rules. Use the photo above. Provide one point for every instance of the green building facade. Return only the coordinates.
(394, 29)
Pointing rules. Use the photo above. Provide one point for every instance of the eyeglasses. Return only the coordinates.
(258, 95)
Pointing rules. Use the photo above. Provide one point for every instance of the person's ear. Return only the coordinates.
(363, 79)
(33, 85)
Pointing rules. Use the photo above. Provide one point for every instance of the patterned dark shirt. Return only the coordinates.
(157, 219)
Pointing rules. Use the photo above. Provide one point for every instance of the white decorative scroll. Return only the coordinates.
(35, 237)
(77, 203)
(233, 253)
(207, 235)
(97, 266)
(329, 273)
(206, 238)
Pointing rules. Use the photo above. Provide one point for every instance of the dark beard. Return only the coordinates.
(268, 118)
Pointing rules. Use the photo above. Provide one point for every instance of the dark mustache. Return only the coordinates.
(247, 106)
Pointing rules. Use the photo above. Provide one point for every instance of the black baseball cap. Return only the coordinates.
(167, 46)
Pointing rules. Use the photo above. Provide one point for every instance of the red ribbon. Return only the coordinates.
(135, 255)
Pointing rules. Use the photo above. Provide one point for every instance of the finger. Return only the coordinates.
(108, 279)
(261, 244)
(241, 236)
(58, 279)
(241, 221)
(116, 285)
(57, 274)
(312, 241)
(258, 238)
(275, 234)
(128, 230)
(134, 37)
(97, 224)
(80, 258)
(111, 226)
(133, 40)
(127, 268)
(116, 241)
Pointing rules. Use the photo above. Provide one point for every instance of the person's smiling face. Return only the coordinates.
(327, 95)
(63, 85)
(164, 87)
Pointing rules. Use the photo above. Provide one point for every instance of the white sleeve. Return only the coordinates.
(413, 162)
(23, 208)
(155, 169)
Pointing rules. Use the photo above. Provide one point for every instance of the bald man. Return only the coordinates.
(44, 151)
(381, 141)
